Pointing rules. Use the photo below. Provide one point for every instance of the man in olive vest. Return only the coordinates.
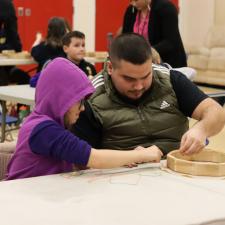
(137, 103)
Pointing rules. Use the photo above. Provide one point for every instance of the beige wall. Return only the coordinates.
(220, 12)
(196, 17)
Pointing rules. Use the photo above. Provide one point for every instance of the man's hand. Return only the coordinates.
(193, 141)
(211, 120)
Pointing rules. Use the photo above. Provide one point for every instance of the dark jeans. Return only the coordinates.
(13, 75)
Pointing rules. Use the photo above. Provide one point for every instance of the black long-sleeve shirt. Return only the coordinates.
(43, 52)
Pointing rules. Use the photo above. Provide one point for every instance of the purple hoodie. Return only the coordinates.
(44, 145)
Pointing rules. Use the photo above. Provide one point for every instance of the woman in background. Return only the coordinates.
(157, 21)
(51, 47)
(10, 40)
(9, 37)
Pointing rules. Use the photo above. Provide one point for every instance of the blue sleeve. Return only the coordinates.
(34, 79)
(51, 140)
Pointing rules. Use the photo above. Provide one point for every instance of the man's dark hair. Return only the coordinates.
(130, 47)
(73, 34)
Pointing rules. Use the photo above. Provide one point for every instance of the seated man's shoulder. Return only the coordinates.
(160, 69)
(98, 80)
(100, 90)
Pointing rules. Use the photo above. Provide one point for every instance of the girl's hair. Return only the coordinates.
(57, 28)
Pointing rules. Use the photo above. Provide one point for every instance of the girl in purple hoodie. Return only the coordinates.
(46, 146)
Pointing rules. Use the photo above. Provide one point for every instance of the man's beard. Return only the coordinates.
(132, 101)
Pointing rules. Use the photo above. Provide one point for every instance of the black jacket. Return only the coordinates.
(9, 38)
(44, 52)
(87, 67)
(163, 31)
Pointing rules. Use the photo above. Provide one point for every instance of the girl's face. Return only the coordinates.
(73, 113)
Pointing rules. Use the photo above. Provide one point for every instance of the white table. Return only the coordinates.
(213, 92)
(23, 94)
(5, 61)
(94, 60)
(140, 197)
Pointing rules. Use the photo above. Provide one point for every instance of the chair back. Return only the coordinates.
(6, 152)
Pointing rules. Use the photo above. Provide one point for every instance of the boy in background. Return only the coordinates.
(74, 47)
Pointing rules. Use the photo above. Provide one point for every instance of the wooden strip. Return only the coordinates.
(206, 163)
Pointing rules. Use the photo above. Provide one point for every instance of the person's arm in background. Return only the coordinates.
(11, 28)
(129, 19)
(155, 56)
(38, 39)
(91, 71)
(40, 54)
(119, 31)
(169, 28)
(194, 103)
(12, 36)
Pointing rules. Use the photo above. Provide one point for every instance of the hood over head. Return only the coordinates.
(60, 86)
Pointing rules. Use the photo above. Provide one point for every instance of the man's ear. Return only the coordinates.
(65, 48)
(109, 67)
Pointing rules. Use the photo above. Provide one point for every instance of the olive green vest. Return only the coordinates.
(156, 121)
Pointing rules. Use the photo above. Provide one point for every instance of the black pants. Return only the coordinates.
(13, 75)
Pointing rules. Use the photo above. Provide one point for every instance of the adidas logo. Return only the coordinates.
(164, 105)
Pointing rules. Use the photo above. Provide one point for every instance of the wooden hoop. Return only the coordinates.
(206, 163)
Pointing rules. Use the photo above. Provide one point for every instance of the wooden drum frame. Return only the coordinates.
(205, 163)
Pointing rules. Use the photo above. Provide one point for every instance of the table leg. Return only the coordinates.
(3, 122)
